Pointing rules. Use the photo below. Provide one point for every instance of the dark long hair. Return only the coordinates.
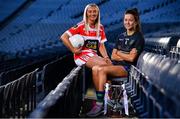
(135, 13)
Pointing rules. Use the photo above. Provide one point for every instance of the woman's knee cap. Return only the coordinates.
(100, 69)
(94, 68)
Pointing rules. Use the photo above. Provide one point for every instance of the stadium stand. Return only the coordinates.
(38, 77)
(13, 74)
(67, 93)
(174, 52)
(54, 71)
(18, 98)
(9, 7)
(161, 45)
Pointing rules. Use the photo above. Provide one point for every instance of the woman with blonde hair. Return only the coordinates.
(94, 36)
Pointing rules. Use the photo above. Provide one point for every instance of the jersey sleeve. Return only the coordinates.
(139, 45)
(103, 35)
(73, 30)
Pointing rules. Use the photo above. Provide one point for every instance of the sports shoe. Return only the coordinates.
(95, 111)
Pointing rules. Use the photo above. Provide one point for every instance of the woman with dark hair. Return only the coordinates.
(93, 33)
(127, 48)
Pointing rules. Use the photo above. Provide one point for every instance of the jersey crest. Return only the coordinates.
(91, 44)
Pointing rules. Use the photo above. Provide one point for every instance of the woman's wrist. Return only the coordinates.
(106, 57)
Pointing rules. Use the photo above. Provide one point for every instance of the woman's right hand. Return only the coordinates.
(107, 60)
(77, 50)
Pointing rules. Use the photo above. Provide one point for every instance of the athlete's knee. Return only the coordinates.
(95, 68)
(101, 69)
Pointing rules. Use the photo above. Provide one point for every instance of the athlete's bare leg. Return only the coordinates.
(104, 71)
(93, 63)
(95, 60)
(95, 75)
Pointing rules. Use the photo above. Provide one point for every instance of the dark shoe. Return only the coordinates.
(95, 111)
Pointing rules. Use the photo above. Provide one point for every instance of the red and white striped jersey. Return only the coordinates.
(92, 41)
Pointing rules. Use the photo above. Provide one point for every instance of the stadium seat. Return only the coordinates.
(1, 100)
(160, 45)
(55, 71)
(58, 101)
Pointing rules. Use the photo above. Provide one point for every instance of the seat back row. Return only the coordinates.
(155, 86)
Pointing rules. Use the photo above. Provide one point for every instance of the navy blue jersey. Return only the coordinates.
(126, 43)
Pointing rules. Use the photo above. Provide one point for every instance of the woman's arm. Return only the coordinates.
(128, 57)
(65, 39)
(115, 56)
(102, 50)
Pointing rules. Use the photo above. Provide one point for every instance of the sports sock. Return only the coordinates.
(100, 97)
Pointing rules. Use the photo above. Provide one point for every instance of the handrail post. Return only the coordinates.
(84, 82)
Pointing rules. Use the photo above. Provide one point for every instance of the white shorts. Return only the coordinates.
(83, 57)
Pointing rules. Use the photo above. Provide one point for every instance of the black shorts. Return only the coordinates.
(122, 63)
